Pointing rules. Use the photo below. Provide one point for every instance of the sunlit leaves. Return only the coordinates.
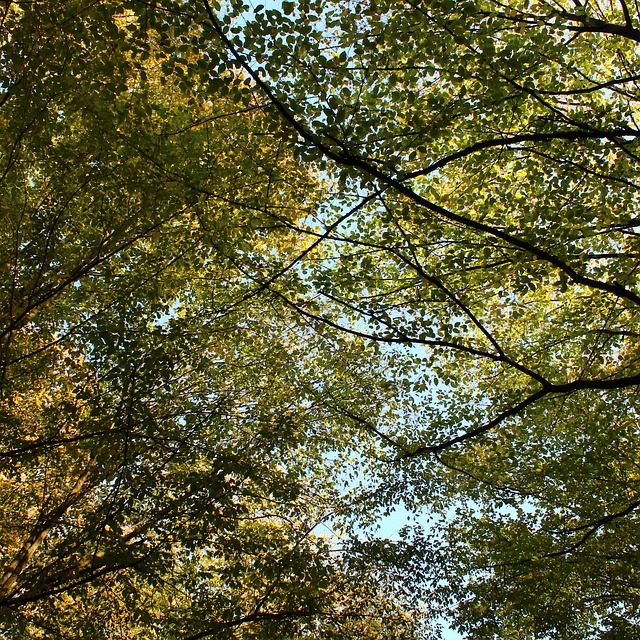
(166, 416)
(270, 268)
(484, 163)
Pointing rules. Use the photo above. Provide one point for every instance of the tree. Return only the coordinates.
(166, 420)
(484, 220)
(243, 246)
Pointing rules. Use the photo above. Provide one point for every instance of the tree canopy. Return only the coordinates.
(270, 272)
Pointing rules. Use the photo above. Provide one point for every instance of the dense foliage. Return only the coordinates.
(269, 272)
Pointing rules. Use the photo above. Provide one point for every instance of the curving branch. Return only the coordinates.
(340, 155)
